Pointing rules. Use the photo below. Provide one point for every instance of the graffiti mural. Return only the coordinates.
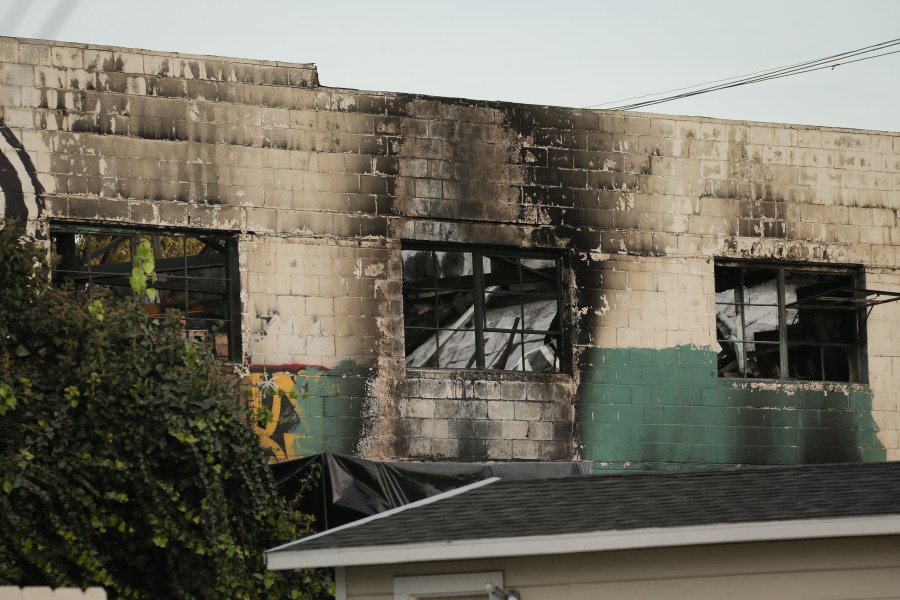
(307, 409)
(21, 194)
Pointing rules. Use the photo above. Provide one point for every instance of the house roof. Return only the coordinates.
(603, 512)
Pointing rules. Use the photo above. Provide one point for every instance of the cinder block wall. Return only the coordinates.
(321, 185)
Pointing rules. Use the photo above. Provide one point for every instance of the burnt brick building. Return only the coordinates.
(402, 276)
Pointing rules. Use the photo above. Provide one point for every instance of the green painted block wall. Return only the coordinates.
(668, 409)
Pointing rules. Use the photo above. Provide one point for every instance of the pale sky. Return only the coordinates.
(560, 52)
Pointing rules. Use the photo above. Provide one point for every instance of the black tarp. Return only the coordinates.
(339, 489)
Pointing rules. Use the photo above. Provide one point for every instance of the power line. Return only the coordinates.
(827, 62)
(775, 73)
(805, 67)
(768, 74)
(688, 87)
(759, 79)
(57, 19)
(13, 15)
(871, 48)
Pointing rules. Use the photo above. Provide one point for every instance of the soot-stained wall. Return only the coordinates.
(321, 186)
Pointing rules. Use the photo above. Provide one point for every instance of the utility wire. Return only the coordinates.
(689, 87)
(13, 15)
(747, 82)
(57, 19)
(774, 75)
(828, 62)
(871, 48)
(766, 74)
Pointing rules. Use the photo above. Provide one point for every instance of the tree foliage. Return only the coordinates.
(124, 460)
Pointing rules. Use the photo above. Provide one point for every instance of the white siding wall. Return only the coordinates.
(846, 569)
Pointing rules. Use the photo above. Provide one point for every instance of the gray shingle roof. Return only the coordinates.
(628, 501)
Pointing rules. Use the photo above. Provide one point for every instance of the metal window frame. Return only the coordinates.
(847, 298)
(561, 260)
(231, 263)
(856, 272)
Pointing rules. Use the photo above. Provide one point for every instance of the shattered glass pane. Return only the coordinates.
(539, 264)
(443, 349)
(521, 314)
(192, 274)
(82, 258)
(746, 311)
(454, 270)
(456, 349)
(516, 297)
(418, 266)
(501, 321)
(763, 360)
(821, 339)
(439, 310)
(823, 343)
(541, 353)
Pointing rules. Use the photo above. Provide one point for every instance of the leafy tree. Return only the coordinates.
(124, 459)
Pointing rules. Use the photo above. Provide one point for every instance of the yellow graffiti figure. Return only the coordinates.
(271, 392)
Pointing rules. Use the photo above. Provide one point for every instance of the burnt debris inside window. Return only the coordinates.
(196, 275)
(469, 308)
(773, 322)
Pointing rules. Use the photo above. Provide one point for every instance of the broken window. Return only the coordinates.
(482, 309)
(790, 322)
(196, 274)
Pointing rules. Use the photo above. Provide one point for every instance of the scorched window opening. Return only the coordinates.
(482, 308)
(772, 324)
(196, 274)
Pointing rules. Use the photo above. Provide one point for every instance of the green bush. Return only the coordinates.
(124, 459)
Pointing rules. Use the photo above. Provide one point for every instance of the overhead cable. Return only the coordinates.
(13, 15)
(57, 19)
(828, 62)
